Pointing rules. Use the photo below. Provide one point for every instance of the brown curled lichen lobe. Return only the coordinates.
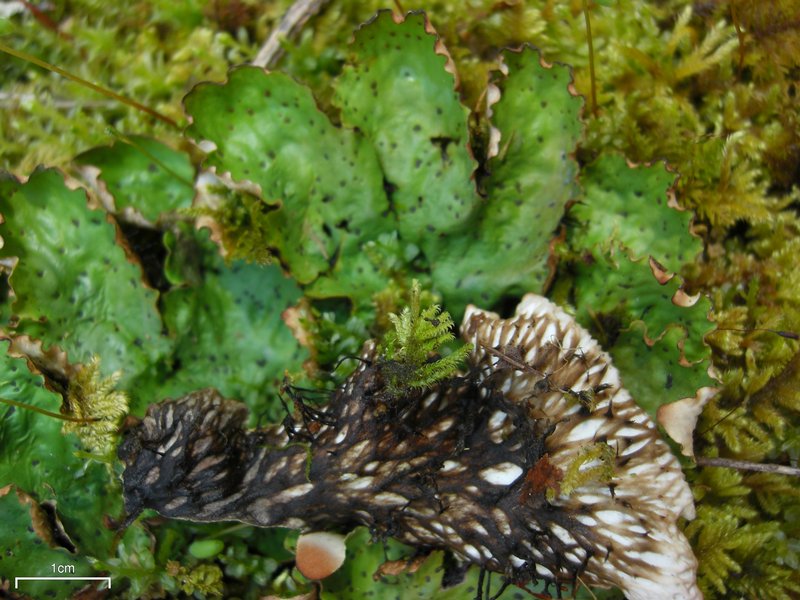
(476, 464)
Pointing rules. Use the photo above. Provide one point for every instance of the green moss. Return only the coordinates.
(418, 334)
(711, 91)
(151, 51)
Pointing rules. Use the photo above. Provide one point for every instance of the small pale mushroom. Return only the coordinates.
(534, 463)
(320, 554)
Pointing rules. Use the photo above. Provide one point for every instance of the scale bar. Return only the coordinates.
(18, 579)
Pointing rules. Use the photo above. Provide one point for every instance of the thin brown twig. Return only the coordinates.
(740, 36)
(591, 56)
(48, 413)
(44, 19)
(134, 144)
(106, 92)
(588, 589)
(746, 465)
(520, 366)
(291, 22)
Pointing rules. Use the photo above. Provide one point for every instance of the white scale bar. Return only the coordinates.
(18, 579)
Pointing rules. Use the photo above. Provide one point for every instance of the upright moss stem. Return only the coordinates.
(591, 56)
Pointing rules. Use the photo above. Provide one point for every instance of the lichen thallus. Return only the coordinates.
(533, 462)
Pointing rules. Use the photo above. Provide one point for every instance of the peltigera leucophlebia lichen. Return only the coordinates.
(534, 463)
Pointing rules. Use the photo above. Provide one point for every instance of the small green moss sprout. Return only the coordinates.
(420, 333)
(242, 223)
(582, 470)
(203, 579)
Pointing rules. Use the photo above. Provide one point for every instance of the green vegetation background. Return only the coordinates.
(709, 87)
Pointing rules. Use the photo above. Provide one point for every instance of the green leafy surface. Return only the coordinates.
(24, 554)
(707, 87)
(529, 184)
(653, 374)
(148, 50)
(397, 92)
(74, 287)
(623, 220)
(227, 327)
(355, 579)
(32, 443)
(133, 565)
(657, 345)
(324, 181)
(144, 174)
(39, 460)
(365, 272)
(625, 292)
(629, 206)
(411, 139)
(253, 555)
